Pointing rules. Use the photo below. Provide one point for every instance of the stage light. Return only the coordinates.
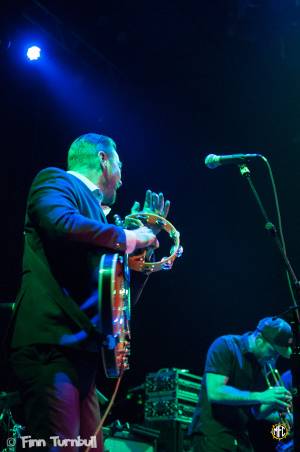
(33, 53)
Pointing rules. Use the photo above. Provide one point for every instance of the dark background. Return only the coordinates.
(171, 82)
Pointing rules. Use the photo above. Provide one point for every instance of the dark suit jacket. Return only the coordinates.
(66, 233)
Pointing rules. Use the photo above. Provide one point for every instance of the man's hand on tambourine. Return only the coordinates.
(145, 238)
(154, 203)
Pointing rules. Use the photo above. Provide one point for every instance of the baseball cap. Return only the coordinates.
(278, 332)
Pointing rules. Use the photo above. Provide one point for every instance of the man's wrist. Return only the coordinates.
(130, 241)
(255, 397)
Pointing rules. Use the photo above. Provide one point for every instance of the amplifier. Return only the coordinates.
(137, 438)
(173, 380)
(171, 394)
(126, 445)
(173, 436)
(168, 408)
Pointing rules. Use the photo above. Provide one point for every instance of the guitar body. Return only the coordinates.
(114, 308)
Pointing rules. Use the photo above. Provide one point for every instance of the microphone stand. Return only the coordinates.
(295, 322)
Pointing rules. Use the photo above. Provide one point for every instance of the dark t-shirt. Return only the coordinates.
(287, 380)
(230, 356)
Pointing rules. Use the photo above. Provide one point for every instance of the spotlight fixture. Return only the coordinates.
(33, 53)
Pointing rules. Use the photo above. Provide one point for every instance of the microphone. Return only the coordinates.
(213, 161)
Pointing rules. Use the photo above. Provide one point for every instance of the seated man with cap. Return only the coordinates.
(234, 384)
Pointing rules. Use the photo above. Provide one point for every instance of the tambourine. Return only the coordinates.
(139, 262)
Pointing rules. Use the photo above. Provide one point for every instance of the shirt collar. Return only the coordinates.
(85, 180)
(91, 186)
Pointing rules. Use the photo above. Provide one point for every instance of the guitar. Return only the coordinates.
(114, 307)
(114, 290)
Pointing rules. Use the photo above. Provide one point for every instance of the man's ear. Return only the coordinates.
(103, 159)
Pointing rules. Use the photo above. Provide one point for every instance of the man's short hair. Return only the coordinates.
(84, 150)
